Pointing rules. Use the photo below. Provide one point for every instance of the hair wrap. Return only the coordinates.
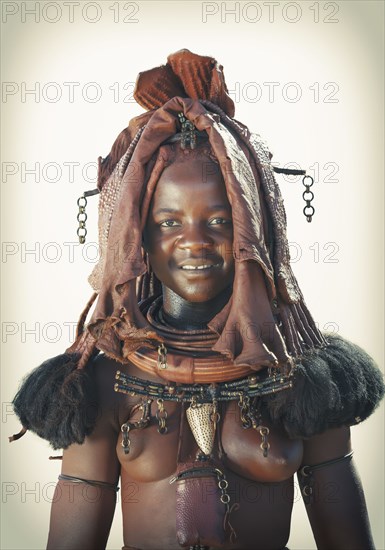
(266, 319)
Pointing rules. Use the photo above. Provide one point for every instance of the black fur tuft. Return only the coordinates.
(58, 402)
(336, 385)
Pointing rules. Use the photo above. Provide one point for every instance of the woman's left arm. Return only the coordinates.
(333, 494)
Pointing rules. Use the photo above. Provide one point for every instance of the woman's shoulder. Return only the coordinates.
(103, 368)
(113, 405)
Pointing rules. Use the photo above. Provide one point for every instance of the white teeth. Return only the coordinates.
(198, 266)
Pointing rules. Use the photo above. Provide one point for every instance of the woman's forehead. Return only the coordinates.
(197, 180)
(191, 173)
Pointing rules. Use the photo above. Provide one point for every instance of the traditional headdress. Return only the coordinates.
(266, 322)
(266, 318)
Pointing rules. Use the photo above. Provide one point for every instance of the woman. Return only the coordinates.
(214, 386)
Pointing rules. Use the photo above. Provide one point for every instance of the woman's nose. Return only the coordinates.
(195, 237)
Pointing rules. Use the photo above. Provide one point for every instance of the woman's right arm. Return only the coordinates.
(81, 514)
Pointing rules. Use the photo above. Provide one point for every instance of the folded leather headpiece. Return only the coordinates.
(266, 321)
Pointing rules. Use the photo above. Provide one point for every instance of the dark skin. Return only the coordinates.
(184, 233)
(198, 233)
(192, 315)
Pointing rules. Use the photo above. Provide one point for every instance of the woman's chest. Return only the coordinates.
(262, 453)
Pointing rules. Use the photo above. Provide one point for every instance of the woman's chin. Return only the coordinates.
(199, 293)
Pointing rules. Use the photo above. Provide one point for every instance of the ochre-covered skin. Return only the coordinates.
(262, 486)
(82, 515)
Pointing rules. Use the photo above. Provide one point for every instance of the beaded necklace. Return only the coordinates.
(202, 413)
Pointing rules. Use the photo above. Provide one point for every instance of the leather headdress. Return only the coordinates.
(266, 320)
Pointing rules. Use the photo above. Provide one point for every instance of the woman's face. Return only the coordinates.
(189, 234)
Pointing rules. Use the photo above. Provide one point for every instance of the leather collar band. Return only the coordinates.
(185, 356)
(186, 369)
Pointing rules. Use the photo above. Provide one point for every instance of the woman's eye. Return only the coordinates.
(219, 221)
(169, 223)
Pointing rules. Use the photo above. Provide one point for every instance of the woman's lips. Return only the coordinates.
(201, 267)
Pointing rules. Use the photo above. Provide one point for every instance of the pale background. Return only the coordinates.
(338, 258)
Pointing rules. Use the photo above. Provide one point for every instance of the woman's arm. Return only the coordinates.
(81, 513)
(333, 494)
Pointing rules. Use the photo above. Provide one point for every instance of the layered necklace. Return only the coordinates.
(194, 374)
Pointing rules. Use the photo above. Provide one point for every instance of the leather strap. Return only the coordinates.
(94, 483)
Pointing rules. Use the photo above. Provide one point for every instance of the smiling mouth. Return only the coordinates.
(199, 267)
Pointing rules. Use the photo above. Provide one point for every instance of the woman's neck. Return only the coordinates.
(185, 315)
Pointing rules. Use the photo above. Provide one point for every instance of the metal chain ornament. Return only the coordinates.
(82, 216)
(308, 196)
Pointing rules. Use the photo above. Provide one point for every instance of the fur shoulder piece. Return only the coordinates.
(336, 385)
(57, 401)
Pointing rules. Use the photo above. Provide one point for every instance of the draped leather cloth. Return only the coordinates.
(266, 320)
